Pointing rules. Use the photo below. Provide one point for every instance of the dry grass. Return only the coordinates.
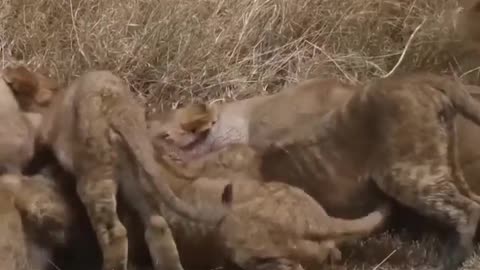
(173, 51)
(397, 252)
(176, 50)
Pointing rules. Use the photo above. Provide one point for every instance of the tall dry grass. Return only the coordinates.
(174, 51)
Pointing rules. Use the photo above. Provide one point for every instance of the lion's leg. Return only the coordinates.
(13, 247)
(430, 190)
(457, 171)
(162, 245)
(97, 190)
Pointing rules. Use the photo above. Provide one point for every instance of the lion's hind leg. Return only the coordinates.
(13, 249)
(161, 245)
(429, 189)
(457, 171)
(97, 190)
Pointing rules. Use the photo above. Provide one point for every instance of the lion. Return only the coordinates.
(167, 129)
(258, 122)
(405, 145)
(98, 132)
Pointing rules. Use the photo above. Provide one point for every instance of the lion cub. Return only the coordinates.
(270, 226)
(98, 132)
(13, 244)
(34, 218)
(17, 130)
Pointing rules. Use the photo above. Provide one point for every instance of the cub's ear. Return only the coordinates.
(21, 80)
(198, 118)
(43, 96)
(197, 124)
(47, 88)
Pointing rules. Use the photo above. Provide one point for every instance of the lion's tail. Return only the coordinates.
(142, 150)
(343, 229)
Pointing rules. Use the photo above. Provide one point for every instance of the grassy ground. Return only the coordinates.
(397, 252)
(175, 51)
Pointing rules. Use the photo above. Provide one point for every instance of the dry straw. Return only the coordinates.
(179, 50)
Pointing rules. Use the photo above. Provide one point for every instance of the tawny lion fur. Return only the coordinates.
(271, 225)
(17, 131)
(404, 139)
(467, 21)
(98, 132)
(34, 220)
(258, 122)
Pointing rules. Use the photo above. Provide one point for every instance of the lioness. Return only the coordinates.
(195, 125)
(403, 139)
(258, 122)
(98, 132)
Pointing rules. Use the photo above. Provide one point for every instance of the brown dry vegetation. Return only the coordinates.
(176, 50)
(173, 51)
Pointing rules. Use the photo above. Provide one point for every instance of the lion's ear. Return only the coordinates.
(43, 96)
(21, 80)
(197, 124)
(47, 88)
(198, 118)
